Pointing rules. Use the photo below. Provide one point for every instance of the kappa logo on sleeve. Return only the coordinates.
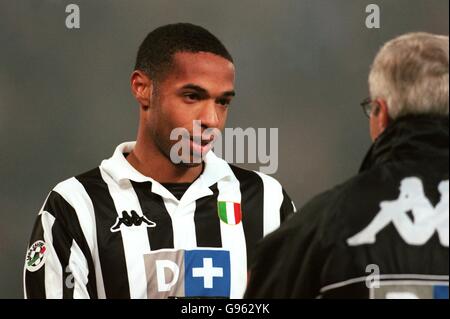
(188, 273)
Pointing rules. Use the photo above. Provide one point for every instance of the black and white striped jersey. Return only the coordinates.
(115, 233)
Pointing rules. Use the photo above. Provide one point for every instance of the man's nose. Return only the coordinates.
(209, 116)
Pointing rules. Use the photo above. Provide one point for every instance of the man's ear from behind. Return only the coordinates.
(383, 115)
(379, 119)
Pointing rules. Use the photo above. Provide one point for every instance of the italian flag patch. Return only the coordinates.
(229, 212)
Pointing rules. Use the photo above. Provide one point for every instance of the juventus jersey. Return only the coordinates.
(115, 233)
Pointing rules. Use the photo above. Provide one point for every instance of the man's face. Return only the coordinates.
(198, 87)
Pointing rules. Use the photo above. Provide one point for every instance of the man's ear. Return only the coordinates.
(141, 87)
(382, 114)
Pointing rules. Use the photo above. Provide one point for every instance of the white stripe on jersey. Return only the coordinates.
(75, 194)
(233, 238)
(24, 279)
(135, 239)
(183, 224)
(53, 268)
(79, 271)
(273, 198)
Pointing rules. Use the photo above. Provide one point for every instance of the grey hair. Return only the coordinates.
(410, 73)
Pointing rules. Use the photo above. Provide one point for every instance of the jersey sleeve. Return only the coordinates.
(58, 263)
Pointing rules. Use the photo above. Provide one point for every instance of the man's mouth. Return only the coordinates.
(199, 145)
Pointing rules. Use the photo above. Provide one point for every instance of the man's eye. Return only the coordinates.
(191, 96)
(224, 102)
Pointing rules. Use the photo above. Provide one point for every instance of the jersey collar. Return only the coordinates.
(120, 170)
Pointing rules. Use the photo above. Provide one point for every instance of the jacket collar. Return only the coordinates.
(411, 137)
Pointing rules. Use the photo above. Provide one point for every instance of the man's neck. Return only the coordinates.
(150, 162)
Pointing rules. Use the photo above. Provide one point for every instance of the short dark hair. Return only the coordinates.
(156, 51)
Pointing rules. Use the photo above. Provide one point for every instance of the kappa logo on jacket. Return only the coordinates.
(427, 219)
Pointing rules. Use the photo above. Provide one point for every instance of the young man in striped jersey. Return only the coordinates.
(141, 226)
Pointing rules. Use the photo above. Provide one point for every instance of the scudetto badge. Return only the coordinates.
(36, 255)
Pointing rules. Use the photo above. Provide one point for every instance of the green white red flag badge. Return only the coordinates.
(229, 212)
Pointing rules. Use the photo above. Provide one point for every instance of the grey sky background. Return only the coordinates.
(65, 101)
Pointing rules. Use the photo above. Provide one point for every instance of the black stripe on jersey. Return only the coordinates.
(66, 229)
(35, 281)
(287, 208)
(110, 244)
(207, 222)
(153, 208)
(252, 207)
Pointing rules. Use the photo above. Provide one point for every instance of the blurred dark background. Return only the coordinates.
(65, 100)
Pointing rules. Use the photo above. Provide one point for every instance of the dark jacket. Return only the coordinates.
(382, 234)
